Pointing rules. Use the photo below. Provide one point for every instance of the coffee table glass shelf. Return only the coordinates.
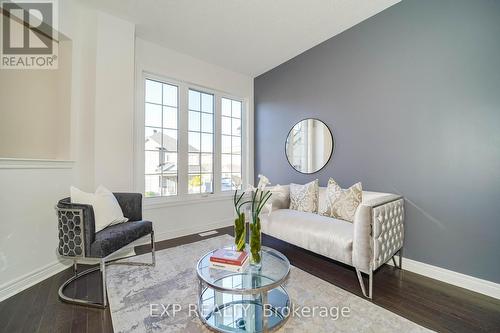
(233, 302)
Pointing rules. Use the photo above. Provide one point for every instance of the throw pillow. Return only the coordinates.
(342, 203)
(107, 210)
(304, 198)
(323, 207)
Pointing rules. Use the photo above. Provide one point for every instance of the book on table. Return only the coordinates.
(228, 259)
(232, 268)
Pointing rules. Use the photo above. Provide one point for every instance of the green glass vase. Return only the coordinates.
(255, 244)
(240, 232)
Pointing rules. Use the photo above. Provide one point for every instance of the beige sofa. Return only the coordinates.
(374, 237)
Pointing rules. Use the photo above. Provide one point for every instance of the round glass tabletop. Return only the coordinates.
(274, 271)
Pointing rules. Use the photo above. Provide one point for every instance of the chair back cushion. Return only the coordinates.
(131, 205)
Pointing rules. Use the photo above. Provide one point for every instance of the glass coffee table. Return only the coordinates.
(250, 301)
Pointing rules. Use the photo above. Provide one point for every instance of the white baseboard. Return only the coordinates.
(24, 282)
(481, 286)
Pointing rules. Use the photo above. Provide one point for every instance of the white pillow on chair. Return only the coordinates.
(107, 210)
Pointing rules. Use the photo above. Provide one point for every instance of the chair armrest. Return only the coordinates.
(378, 231)
(69, 222)
(131, 205)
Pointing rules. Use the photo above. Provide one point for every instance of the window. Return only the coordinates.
(230, 144)
(160, 139)
(201, 142)
(192, 140)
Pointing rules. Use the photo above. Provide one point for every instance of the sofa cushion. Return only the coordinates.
(114, 237)
(304, 198)
(342, 203)
(320, 234)
(280, 198)
(322, 201)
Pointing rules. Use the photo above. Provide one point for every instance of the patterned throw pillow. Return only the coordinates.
(304, 198)
(342, 203)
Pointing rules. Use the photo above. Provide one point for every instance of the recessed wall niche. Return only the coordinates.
(35, 110)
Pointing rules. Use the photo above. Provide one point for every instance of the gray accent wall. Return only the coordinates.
(412, 96)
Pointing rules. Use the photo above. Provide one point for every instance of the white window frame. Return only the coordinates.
(183, 197)
(242, 142)
(204, 91)
(143, 114)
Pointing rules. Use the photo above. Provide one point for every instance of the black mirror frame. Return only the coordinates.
(331, 152)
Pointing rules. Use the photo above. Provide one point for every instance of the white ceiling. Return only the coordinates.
(246, 36)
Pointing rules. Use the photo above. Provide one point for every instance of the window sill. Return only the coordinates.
(164, 202)
(29, 163)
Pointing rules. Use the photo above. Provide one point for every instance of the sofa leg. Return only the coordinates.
(362, 284)
(370, 282)
(400, 260)
(394, 262)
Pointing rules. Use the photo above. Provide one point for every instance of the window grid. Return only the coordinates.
(164, 182)
(200, 180)
(231, 177)
(161, 158)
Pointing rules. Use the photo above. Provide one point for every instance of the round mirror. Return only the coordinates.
(309, 145)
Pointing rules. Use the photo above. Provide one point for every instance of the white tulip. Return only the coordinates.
(263, 182)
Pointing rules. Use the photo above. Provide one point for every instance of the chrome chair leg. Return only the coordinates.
(133, 263)
(153, 249)
(102, 267)
(77, 301)
(103, 275)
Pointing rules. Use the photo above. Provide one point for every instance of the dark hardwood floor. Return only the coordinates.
(430, 303)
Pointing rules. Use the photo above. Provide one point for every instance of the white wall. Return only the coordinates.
(102, 88)
(114, 103)
(174, 220)
(28, 227)
(160, 60)
(105, 59)
(38, 126)
(29, 189)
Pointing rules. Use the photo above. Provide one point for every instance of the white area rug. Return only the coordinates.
(131, 290)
